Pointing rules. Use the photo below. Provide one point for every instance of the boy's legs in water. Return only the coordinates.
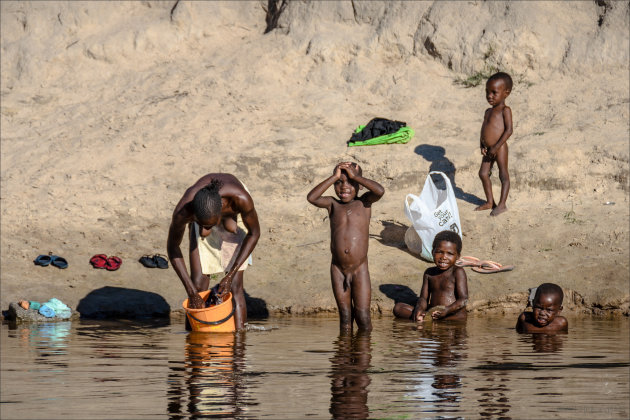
(362, 297)
(504, 176)
(352, 293)
(342, 297)
(484, 174)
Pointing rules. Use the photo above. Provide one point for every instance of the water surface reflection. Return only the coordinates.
(301, 367)
(350, 381)
(209, 384)
(441, 349)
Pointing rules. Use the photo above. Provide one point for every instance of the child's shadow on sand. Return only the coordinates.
(439, 162)
(399, 293)
(393, 234)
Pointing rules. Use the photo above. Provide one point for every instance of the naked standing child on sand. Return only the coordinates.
(495, 130)
(349, 235)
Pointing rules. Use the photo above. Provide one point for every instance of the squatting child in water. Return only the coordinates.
(444, 285)
(495, 130)
(544, 318)
(349, 233)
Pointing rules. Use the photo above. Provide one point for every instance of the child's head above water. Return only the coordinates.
(547, 303)
(447, 246)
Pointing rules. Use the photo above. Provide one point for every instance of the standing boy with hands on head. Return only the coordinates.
(495, 130)
(349, 235)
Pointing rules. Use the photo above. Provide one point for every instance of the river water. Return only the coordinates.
(293, 368)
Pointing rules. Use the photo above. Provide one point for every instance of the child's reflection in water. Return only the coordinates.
(547, 343)
(348, 388)
(450, 338)
(214, 362)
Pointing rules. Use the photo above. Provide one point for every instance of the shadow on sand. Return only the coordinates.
(439, 162)
(399, 293)
(122, 303)
(256, 307)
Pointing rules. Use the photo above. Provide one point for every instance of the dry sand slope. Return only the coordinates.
(110, 110)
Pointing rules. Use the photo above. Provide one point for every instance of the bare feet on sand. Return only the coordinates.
(486, 206)
(498, 210)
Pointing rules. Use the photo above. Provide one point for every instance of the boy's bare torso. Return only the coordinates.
(349, 232)
(442, 289)
(493, 126)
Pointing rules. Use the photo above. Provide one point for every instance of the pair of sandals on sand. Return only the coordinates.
(482, 266)
(112, 263)
(156, 261)
(57, 261)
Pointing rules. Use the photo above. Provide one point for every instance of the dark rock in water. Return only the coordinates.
(17, 313)
(122, 303)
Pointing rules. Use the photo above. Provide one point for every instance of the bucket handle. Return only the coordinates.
(221, 321)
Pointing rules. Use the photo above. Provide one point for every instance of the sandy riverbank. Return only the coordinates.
(110, 111)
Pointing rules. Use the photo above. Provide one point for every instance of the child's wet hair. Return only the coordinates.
(506, 78)
(549, 289)
(448, 236)
(207, 202)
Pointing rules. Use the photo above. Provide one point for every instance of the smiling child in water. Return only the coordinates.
(444, 286)
(544, 318)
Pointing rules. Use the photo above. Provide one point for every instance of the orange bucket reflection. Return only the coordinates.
(217, 318)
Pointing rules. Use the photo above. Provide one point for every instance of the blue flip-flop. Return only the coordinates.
(43, 260)
(59, 262)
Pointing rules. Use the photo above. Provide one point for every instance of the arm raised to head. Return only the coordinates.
(375, 190)
(315, 195)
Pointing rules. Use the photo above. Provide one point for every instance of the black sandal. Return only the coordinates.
(160, 261)
(147, 261)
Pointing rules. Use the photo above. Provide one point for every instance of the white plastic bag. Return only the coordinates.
(434, 211)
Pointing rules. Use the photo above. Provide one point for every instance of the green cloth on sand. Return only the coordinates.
(403, 135)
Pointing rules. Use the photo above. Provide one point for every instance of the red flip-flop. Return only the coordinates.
(99, 261)
(489, 267)
(467, 261)
(113, 264)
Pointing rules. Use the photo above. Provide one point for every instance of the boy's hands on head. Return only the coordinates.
(337, 171)
(350, 169)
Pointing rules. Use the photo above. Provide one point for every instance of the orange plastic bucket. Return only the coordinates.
(217, 318)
